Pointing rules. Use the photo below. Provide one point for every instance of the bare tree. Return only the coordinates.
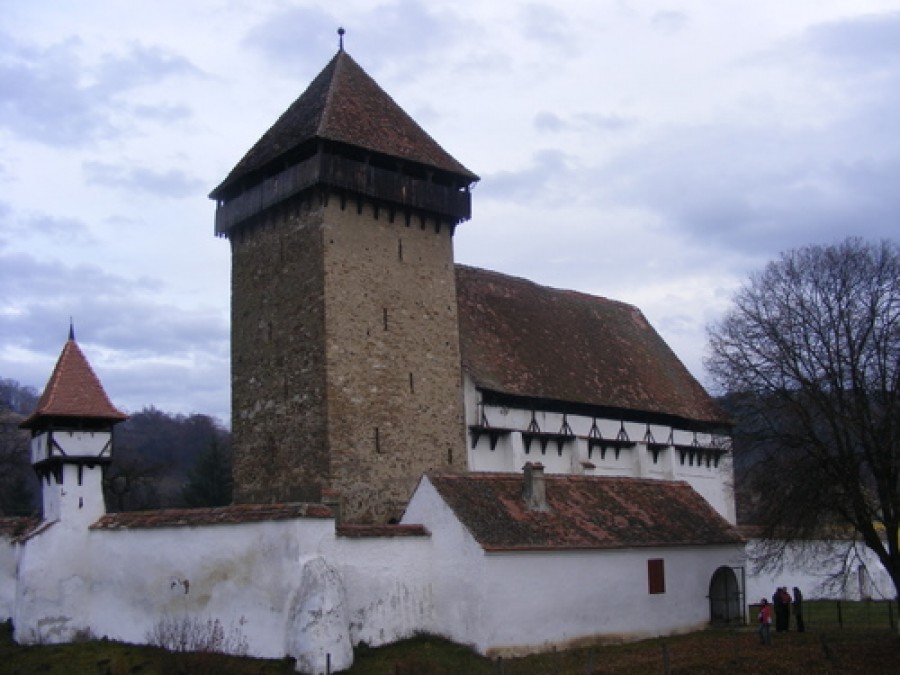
(18, 482)
(812, 350)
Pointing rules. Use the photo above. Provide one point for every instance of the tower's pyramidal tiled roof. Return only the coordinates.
(344, 104)
(74, 391)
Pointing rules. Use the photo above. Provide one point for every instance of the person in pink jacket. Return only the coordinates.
(765, 622)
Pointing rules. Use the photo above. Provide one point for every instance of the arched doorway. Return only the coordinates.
(725, 597)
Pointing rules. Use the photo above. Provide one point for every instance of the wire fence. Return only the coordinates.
(830, 614)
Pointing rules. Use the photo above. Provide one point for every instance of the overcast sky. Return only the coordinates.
(650, 152)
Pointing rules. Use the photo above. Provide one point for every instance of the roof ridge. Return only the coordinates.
(329, 94)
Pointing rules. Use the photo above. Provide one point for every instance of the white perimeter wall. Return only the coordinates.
(388, 584)
(120, 583)
(8, 556)
(250, 577)
(839, 570)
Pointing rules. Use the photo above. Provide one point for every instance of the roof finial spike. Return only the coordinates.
(71, 328)
(341, 32)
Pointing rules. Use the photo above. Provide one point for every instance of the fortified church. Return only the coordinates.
(420, 446)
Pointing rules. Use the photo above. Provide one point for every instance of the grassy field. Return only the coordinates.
(860, 647)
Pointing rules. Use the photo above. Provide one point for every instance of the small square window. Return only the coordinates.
(656, 576)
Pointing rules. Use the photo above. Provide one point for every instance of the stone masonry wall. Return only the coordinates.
(394, 382)
(278, 358)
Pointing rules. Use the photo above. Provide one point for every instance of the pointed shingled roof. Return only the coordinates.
(525, 340)
(344, 104)
(74, 391)
(586, 512)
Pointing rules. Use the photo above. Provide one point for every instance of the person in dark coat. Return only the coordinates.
(798, 609)
(781, 604)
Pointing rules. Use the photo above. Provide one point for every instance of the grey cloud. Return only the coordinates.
(870, 43)
(752, 189)
(146, 345)
(51, 95)
(60, 230)
(394, 37)
(585, 121)
(540, 182)
(548, 121)
(545, 24)
(116, 313)
(669, 21)
(171, 183)
(162, 112)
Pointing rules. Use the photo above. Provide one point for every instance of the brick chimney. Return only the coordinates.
(534, 490)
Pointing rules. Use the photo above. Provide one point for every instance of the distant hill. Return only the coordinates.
(154, 454)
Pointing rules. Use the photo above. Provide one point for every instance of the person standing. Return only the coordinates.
(778, 609)
(765, 622)
(798, 610)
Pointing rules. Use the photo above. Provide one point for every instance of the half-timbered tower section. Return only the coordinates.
(345, 348)
(583, 385)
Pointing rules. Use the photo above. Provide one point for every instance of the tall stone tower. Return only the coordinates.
(346, 378)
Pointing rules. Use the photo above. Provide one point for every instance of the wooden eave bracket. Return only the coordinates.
(494, 434)
(605, 444)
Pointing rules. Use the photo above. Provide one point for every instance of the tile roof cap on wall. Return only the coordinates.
(585, 512)
(344, 104)
(16, 526)
(527, 340)
(74, 391)
(235, 514)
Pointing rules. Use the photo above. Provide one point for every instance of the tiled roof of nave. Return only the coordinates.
(527, 340)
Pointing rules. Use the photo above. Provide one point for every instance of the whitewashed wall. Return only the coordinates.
(456, 569)
(265, 583)
(8, 556)
(714, 482)
(120, 583)
(389, 586)
(541, 599)
(277, 588)
(836, 570)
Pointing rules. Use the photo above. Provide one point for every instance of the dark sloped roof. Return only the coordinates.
(586, 512)
(344, 104)
(15, 526)
(381, 531)
(74, 391)
(523, 339)
(222, 515)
